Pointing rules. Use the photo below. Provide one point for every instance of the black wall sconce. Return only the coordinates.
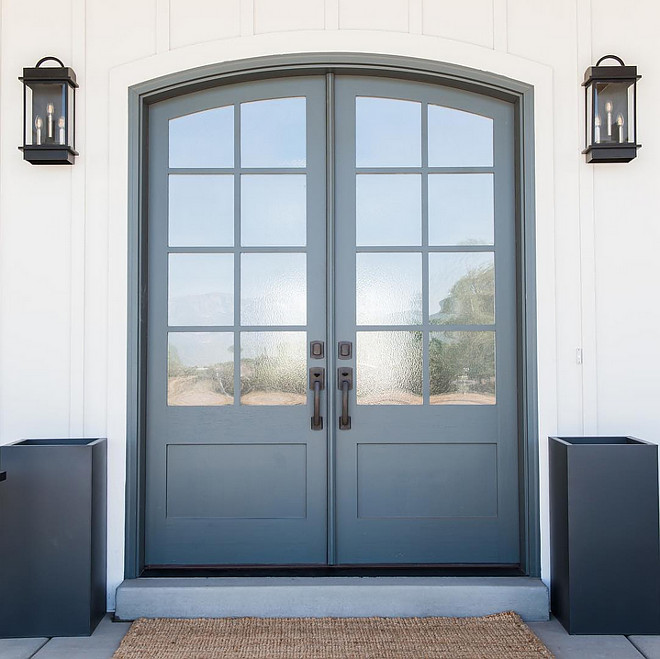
(611, 112)
(49, 114)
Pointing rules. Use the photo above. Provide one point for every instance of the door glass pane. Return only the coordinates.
(273, 368)
(462, 368)
(459, 139)
(388, 132)
(461, 209)
(201, 289)
(273, 289)
(273, 133)
(389, 368)
(201, 210)
(389, 289)
(200, 368)
(274, 209)
(462, 288)
(389, 209)
(203, 139)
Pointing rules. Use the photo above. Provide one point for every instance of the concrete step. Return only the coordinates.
(341, 597)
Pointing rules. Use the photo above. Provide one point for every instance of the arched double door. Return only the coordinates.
(331, 330)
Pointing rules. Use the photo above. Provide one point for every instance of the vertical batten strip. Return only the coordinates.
(415, 17)
(588, 309)
(247, 18)
(77, 229)
(500, 25)
(162, 26)
(331, 14)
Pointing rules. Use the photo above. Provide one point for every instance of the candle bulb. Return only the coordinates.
(50, 111)
(608, 109)
(60, 124)
(619, 123)
(597, 123)
(38, 124)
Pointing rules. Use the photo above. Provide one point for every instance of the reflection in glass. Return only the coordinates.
(273, 133)
(459, 139)
(389, 288)
(388, 132)
(273, 209)
(461, 209)
(462, 288)
(462, 368)
(203, 139)
(389, 209)
(201, 210)
(389, 368)
(273, 368)
(200, 368)
(201, 289)
(273, 289)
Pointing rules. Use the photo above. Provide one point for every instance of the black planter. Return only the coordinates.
(52, 537)
(604, 539)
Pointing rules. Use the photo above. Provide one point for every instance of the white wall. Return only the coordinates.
(63, 230)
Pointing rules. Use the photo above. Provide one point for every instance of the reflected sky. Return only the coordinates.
(461, 209)
(201, 289)
(273, 133)
(203, 139)
(274, 289)
(274, 209)
(459, 139)
(389, 209)
(388, 132)
(389, 289)
(201, 210)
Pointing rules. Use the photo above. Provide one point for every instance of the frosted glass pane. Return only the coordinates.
(462, 368)
(200, 368)
(389, 368)
(274, 209)
(462, 288)
(203, 139)
(273, 289)
(273, 368)
(389, 289)
(274, 133)
(461, 209)
(201, 210)
(201, 289)
(459, 139)
(389, 209)
(388, 132)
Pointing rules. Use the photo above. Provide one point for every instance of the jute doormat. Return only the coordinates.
(499, 636)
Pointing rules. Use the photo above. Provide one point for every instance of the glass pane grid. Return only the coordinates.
(454, 353)
(196, 383)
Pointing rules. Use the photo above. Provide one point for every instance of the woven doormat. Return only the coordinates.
(499, 636)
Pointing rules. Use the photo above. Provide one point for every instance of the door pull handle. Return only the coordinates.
(316, 384)
(345, 384)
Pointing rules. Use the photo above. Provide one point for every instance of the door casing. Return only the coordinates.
(519, 94)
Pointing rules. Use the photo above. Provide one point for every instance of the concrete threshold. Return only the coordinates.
(340, 597)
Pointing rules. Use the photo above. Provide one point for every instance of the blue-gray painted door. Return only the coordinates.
(418, 261)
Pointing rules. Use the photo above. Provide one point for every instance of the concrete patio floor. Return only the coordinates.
(108, 635)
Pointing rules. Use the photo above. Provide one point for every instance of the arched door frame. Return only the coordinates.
(520, 95)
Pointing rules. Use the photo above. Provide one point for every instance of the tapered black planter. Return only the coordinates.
(52, 537)
(604, 539)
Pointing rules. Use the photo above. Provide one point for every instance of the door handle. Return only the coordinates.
(345, 384)
(316, 384)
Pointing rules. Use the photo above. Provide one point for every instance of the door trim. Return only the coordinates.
(522, 98)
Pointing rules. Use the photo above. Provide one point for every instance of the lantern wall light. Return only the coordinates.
(611, 112)
(49, 114)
